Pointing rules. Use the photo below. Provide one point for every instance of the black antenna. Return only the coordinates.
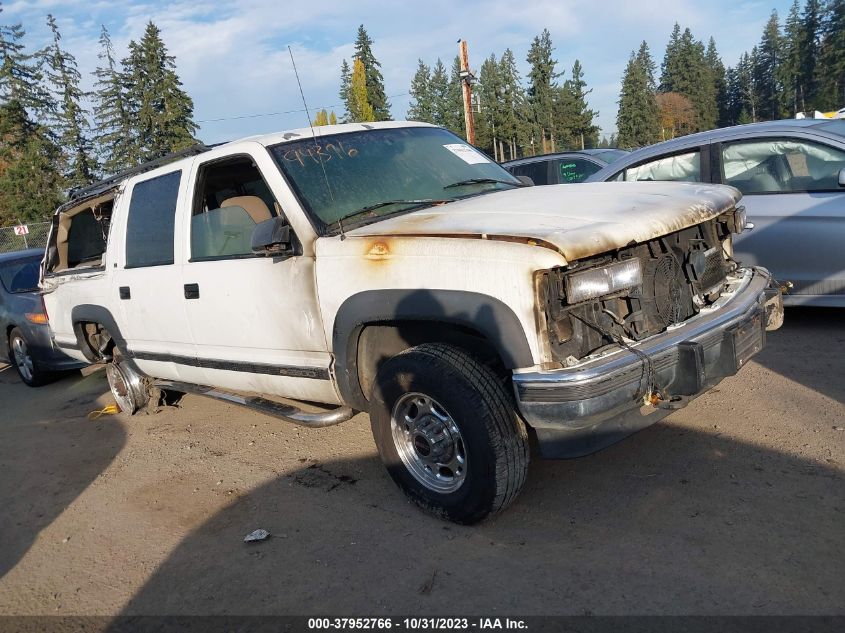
(314, 137)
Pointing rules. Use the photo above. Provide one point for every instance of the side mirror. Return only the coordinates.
(271, 237)
(842, 177)
(526, 180)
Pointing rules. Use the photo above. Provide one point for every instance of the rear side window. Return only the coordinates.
(572, 170)
(680, 167)
(20, 276)
(538, 171)
(152, 216)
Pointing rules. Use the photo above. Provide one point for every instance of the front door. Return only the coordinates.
(255, 319)
(792, 196)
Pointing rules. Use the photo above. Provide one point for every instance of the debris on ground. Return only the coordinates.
(426, 587)
(257, 535)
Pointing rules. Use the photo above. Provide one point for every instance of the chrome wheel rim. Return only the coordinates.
(23, 360)
(121, 389)
(429, 442)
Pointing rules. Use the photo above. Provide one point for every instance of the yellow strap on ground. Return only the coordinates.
(107, 410)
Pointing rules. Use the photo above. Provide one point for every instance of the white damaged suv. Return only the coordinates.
(392, 268)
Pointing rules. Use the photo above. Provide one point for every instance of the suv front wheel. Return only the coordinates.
(448, 434)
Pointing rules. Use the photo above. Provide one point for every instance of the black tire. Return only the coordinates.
(23, 362)
(493, 436)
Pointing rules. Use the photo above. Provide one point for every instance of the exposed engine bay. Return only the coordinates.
(669, 280)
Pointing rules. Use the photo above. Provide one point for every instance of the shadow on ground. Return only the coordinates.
(41, 425)
(670, 521)
(821, 330)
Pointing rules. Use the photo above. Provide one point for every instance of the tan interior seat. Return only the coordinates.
(253, 205)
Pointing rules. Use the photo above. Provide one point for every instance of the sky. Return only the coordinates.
(234, 62)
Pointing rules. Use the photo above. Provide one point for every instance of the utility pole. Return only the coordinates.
(466, 88)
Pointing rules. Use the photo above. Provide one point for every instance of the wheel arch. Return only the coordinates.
(395, 318)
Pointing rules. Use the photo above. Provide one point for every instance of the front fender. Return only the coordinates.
(482, 313)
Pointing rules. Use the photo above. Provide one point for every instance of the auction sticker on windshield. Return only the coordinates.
(466, 153)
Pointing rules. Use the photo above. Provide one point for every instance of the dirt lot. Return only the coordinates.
(734, 505)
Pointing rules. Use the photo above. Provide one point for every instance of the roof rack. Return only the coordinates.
(108, 183)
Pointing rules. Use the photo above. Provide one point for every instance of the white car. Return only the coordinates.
(392, 268)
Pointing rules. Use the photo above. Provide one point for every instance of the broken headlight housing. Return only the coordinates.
(736, 220)
(603, 280)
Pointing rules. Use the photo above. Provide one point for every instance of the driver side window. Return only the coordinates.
(230, 200)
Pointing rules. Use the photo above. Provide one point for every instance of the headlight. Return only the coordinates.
(603, 280)
(737, 220)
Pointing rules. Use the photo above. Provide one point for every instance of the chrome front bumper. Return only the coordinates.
(579, 410)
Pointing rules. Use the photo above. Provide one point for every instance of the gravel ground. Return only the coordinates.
(734, 505)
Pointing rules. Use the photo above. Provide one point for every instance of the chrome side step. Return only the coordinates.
(286, 412)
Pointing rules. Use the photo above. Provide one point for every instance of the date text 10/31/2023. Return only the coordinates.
(417, 624)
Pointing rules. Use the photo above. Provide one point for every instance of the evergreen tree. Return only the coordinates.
(70, 118)
(685, 70)
(742, 103)
(833, 56)
(454, 114)
(581, 132)
(790, 73)
(541, 86)
(115, 136)
(672, 69)
(375, 82)
(421, 107)
(332, 118)
(809, 34)
(345, 81)
(716, 71)
(439, 91)
(30, 183)
(161, 110)
(513, 129)
(767, 71)
(360, 109)
(488, 122)
(638, 120)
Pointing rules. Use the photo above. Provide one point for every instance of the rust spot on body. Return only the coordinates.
(378, 251)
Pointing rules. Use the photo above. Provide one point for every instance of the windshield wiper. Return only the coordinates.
(387, 203)
(484, 181)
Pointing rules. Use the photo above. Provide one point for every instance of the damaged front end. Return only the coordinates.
(635, 334)
(636, 292)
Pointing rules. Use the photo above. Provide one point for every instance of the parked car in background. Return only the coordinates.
(792, 177)
(27, 341)
(563, 168)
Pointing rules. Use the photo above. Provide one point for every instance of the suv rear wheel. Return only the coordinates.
(448, 434)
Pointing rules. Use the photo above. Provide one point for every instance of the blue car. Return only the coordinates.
(27, 341)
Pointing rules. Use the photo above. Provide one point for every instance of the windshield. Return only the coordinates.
(378, 172)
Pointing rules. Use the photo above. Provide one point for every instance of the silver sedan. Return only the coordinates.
(792, 177)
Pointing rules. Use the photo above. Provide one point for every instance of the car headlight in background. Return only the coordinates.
(603, 280)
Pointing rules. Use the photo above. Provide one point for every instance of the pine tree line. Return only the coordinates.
(796, 67)
(362, 86)
(511, 119)
(55, 137)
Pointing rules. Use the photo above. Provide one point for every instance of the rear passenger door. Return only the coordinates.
(148, 278)
(255, 319)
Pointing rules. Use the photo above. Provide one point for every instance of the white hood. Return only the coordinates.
(576, 220)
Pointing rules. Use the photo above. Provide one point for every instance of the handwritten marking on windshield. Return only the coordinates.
(317, 153)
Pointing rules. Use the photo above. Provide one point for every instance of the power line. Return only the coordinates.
(263, 114)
